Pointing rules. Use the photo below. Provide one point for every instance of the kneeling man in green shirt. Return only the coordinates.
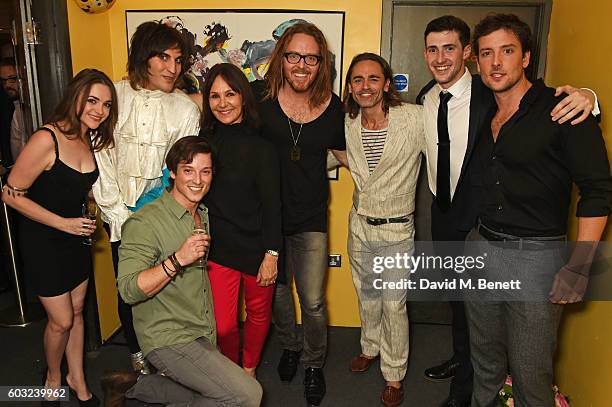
(162, 273)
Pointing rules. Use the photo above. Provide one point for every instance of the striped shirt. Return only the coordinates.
(373, 145)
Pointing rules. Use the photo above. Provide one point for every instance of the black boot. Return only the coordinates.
(287, 366)
(314, 385)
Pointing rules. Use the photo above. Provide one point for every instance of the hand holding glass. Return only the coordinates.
(199, 229)
(90, 211)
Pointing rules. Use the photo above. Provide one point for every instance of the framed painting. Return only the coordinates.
(244, 38)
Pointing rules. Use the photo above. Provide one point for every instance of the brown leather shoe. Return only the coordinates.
(392, 397)
(115, 384)
(361, 363)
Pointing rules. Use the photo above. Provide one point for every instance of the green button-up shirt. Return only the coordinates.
(183, 310)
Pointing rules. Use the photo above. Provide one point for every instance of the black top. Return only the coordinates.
(528, 172)
(304, 185)
(61, 190)
(244, 199)
(56, 262)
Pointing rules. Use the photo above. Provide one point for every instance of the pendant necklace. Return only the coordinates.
(295, 150)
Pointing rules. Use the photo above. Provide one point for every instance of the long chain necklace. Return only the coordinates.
(295, 150)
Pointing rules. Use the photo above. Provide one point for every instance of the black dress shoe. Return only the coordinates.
(314, 385)
(287, 366)
(442, 372)
(451, 402)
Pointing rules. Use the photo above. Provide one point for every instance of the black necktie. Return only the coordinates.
(443, 168)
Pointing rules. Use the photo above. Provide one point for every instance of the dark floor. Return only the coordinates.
(22, 361)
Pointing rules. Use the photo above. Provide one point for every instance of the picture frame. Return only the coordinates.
(245, 38)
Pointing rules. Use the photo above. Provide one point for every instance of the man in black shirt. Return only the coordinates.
(454, 213)
(529, 165)
(303, 119)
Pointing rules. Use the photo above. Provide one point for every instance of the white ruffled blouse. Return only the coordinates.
(149, 123)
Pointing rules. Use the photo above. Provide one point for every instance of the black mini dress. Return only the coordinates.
(56, 262)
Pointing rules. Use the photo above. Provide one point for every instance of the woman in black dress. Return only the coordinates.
(48, 186)
(245, 213)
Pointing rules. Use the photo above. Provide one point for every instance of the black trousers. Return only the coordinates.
(442, 231)
(124, 310)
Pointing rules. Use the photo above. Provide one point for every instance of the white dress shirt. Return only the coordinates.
(458, 125)
(149, 123)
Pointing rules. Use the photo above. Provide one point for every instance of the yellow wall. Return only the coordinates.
(577, 54)
(99, 41)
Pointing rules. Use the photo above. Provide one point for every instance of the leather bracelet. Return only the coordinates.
(175, 263)
(166, 269)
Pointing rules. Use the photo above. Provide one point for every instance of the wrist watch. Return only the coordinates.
(272, 252)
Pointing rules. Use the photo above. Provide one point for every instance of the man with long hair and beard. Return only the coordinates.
(303, 119)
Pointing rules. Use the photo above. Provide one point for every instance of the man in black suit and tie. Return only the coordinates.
(455, 104)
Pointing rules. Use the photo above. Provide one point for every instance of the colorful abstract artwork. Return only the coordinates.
(243, 38)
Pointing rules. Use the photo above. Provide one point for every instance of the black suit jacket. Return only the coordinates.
(455, 223)
(7, 108)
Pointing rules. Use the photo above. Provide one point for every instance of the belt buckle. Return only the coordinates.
(376, 221)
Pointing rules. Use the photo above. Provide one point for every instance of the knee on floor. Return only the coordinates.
(250, 393)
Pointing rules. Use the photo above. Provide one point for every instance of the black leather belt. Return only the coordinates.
(379, 221)
(519, 243)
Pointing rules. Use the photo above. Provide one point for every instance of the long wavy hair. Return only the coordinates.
(67, 114)
(322, 86)
(391, 98)
(236, 80)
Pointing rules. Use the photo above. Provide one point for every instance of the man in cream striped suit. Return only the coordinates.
(384, 140)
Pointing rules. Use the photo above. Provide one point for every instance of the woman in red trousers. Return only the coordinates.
(245, 213)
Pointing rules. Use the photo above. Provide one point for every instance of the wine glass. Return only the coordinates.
(89, 211)
(199, 229)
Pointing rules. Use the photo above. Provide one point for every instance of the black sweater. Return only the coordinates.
(244, 199)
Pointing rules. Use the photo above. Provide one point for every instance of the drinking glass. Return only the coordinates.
(199, 229)
(89, 211)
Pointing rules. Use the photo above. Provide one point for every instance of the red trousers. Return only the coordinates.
(225, 284)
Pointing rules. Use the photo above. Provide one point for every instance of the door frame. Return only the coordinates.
(544, 8)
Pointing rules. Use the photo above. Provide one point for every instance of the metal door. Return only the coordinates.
(404, 23)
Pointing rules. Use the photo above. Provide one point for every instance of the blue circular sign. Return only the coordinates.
(401, 82)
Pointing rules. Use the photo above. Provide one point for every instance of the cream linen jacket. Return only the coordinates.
(389, 191)
(149, 123)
